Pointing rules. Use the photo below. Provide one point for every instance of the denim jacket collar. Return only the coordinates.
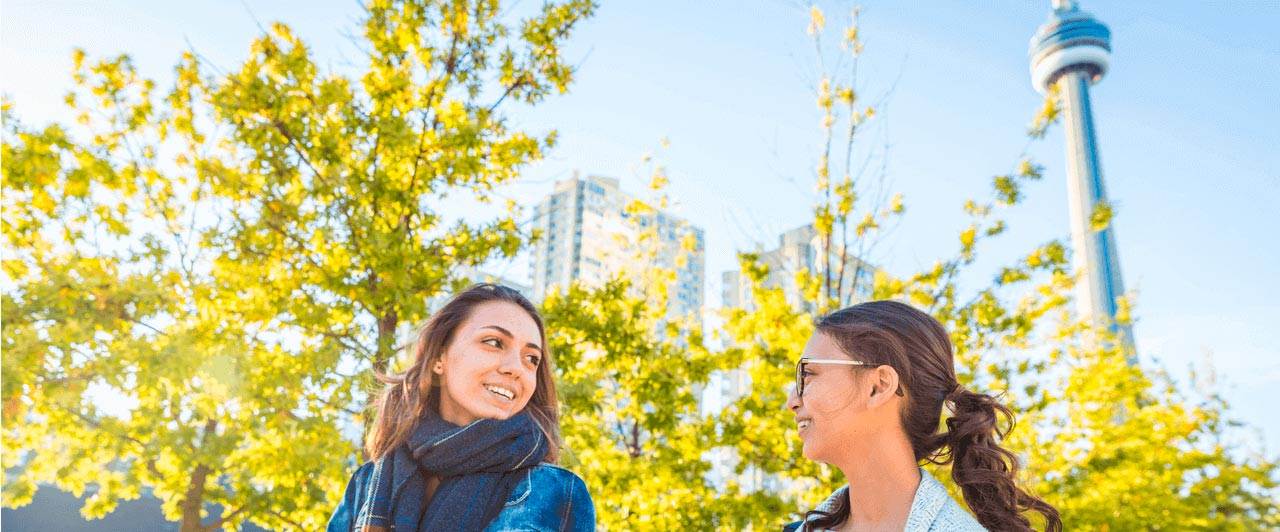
(929, 500)
(931, 495)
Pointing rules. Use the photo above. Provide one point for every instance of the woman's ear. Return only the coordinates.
(884, 385)
(438, 366)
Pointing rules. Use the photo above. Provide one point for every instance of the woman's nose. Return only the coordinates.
(510, 364)
(793, 400)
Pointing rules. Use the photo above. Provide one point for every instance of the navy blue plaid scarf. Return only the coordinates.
(478, 465)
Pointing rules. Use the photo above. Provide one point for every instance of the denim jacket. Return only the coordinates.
(932, 510)
(547, 499)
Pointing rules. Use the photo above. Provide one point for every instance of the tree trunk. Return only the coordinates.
(193, 499)
(386, 340)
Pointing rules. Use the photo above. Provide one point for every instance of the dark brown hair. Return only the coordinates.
(918, 348)
(408, 395)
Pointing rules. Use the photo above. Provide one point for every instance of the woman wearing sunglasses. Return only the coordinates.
(869, 394)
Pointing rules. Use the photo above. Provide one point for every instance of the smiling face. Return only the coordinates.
(842, 405)
(826, 415)
(489, 369)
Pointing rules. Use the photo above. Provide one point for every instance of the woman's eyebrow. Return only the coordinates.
(509, 335)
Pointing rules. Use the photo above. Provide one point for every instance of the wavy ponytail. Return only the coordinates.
(986, 472)
(918, 348)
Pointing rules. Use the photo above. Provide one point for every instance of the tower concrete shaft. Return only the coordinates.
(1072, 50)
(1095, 257)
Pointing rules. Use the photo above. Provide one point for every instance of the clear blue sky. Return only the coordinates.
(1187, 119)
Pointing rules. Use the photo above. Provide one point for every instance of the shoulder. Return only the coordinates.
(360, 480)
(545, 472)
(362, 473)
(344, 513)
(934, 509)
(827, 505)
(953, 517)
(549, 497)
(551, 479)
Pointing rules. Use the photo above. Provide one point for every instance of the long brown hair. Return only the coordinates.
(918, 348)
(408, 395)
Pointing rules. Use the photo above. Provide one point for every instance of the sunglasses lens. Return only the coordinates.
(799, 379)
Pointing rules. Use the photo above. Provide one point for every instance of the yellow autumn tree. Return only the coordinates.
(197, 282)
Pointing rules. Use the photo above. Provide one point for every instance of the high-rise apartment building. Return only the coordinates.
(589, 235)
(798, 249)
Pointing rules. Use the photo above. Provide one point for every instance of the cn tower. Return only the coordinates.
(1072, 50)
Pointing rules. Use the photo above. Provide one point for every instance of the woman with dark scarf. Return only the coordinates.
(870, 391)
(467, 437)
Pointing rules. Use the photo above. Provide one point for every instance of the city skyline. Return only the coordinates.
(1189, 164)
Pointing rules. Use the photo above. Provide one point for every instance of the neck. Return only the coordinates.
(883, 477)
